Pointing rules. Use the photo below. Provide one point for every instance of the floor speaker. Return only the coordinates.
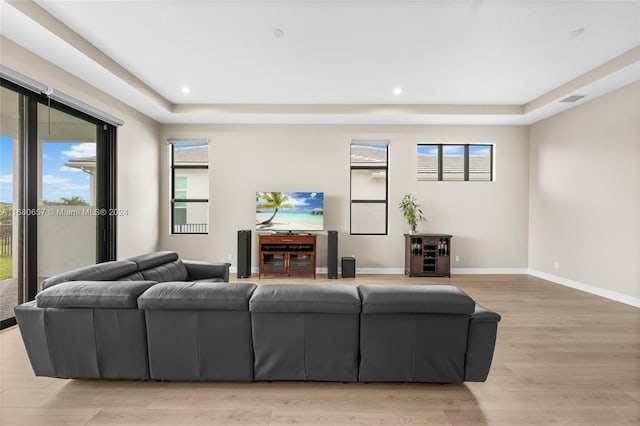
(244, 253)
(332, 255)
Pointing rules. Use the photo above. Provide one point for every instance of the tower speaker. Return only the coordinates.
(244, 253)
(332, 255)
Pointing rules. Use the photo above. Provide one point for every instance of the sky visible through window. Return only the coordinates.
(58, 180)
(6, 170)
(454, 149)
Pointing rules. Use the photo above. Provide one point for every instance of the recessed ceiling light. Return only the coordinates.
(576, 33)
(278, 32)
(397, 91)
(185, 90)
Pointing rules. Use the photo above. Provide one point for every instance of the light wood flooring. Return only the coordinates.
(563, 357)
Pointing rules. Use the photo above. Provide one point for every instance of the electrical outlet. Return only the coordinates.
(457, 258)
(230, 257)
(556, 265)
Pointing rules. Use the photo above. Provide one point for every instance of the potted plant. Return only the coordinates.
(411, 211)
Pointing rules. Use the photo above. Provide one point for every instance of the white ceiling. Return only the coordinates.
(481, 53)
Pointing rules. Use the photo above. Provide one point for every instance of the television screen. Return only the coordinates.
(289, 211)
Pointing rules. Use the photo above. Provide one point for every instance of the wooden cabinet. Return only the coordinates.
(427, 255)
(287, 255)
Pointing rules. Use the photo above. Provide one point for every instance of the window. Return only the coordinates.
(189, 186)
(369, 187)
(455, 162)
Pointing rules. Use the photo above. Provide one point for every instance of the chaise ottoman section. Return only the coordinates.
(305, 332)
(413, 333)
(199, 331)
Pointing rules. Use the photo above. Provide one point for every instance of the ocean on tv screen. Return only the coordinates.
(289, 211)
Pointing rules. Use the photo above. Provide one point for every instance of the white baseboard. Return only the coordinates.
(391, 271)
(234, 269)
(380, 271)
(487, 271)
(608, 294)
(323, 270)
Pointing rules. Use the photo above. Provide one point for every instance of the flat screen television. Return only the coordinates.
(289, 211)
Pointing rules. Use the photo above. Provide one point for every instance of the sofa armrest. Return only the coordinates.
(31, 320)
(482, 314)
(198, 270)
(483, 328)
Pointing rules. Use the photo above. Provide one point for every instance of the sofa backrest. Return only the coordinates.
(106, 271)
(423, 299)
(93, 295)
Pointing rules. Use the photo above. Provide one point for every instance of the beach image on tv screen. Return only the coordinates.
(289, 211)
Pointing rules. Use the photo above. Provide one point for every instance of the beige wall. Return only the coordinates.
(585, 193)
(567, 189)
(489, 221)
(138, 161)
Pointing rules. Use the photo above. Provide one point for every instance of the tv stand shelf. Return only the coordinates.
(287, 254)
(427, 255)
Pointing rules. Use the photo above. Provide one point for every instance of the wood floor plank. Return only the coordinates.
(562, 357)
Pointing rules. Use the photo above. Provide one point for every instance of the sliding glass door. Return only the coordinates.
(57, 187)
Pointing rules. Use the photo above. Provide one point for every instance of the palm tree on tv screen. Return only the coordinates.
(275, 201)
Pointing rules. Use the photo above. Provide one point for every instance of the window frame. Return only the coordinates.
(172, 143)
(466, 146)
(373, 167)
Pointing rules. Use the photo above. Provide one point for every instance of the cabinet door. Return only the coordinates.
(444, 265)
(301, 263)
(274, 262)
(444, 258)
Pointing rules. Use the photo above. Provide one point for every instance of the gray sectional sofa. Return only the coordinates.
(159, 317)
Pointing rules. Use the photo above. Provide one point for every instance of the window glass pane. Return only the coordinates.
(480, 162)
(67, 177)
(68, 172)
(180, 183)
(368, 184)
(190, 217)
(191, 183)
(368, 218)
(190, 154)
(368, 154)
(427, 162)
(453, 162)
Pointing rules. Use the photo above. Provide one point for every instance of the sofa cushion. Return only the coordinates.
(427, 299)
(93, 294)
(150, 260)
(106, 271)
(197, 296)
(336, 298)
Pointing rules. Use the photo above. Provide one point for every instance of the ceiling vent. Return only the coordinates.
(572, 98)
